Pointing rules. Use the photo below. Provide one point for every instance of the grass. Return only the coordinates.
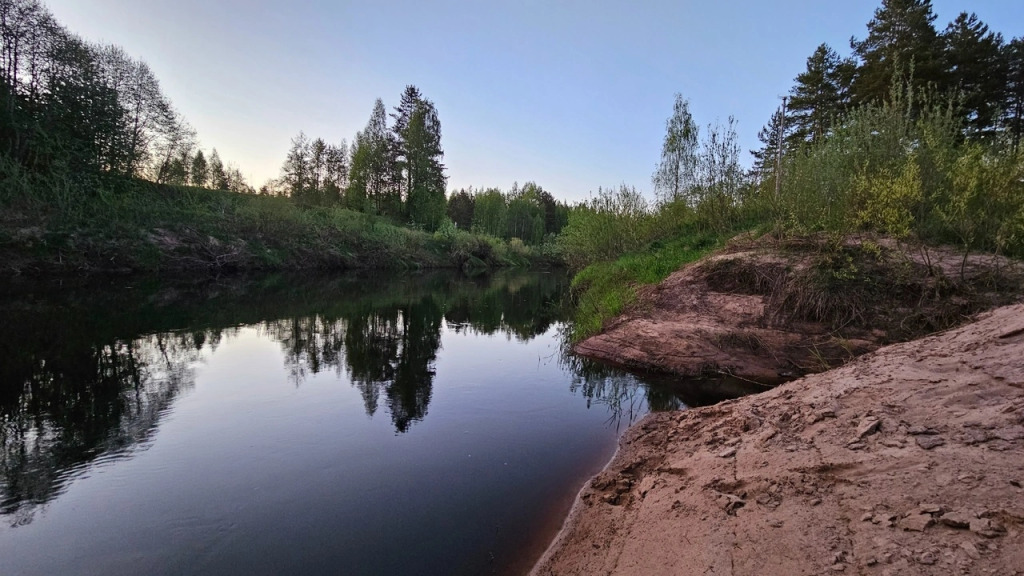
(604, 290)
(133, 225)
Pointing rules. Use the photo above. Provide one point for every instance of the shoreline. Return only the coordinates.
(889, 463)
(574, 509)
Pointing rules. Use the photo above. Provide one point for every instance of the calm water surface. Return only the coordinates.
(424, 424)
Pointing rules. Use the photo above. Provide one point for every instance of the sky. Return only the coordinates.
(569, 94)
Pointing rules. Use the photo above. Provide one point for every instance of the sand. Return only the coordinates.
(906, 460)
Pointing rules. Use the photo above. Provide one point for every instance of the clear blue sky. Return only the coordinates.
(571, 94)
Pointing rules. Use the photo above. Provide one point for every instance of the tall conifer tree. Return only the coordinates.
(901, 42)
(975, 66)
(820, 95)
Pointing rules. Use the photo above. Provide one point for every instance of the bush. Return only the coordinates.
(612, 223)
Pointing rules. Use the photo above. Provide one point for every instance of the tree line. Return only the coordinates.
(966, 65)
(526, 212)
(393, 167)
(916, 134)
(72, 110)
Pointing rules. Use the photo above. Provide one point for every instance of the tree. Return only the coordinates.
(147, 114)
(490, 213)
(178, 142)
(676, 173)
(218, 176)
(765, 157)
(901, 42)
(1013, 106)
(200, 172)
(57, 113)
(975, 66)
(296, 172)
(336, 170)
(555, 214)
(820, 95)
(371, 175)
(719, 175)
(416, 136)
(460, 208)
(178, 168)
(402, 116)
(236, 181)
(525, 219)
(317, 169)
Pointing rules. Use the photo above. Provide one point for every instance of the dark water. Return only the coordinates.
(417, 424)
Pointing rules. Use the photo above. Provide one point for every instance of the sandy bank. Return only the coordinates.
(770, 311)
(909, 460)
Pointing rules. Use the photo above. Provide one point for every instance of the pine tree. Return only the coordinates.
(820, 95)
(1013, 106)
(416, 137)
(676, 173)
(402, 116)
(901, 43)
(765, 157)
(975, 66)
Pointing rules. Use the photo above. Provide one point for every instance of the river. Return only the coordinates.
(415, 423)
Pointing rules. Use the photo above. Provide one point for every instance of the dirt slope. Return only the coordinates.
(769, 313)
(909, 460)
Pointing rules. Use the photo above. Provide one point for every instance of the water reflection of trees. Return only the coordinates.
(88, 371)
(626, 396)
(69, 401)
(629, 396)
(388, 341)
(87, 374)
(388, 352)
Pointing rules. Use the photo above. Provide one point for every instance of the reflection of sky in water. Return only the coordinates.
(265, 459)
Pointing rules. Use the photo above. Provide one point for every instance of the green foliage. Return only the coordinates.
(461, 206)
(613, 222)
(676, 174)
(975, 66)
(416, 140)
(903, 169)
(820, 96)
(901, 37)
(372, 173)
(137, 225)
(604, 290)
(888, 199)
(983, 207)
(529, 213)
(490, 214)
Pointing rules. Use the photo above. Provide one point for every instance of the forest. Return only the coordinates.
(914, 133)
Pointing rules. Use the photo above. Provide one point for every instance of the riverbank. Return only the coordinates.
(768, 310)
(132, 226)
(903, 461)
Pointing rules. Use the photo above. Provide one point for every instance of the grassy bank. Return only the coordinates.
(603, 290)
(905, 175)
(139, 226)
